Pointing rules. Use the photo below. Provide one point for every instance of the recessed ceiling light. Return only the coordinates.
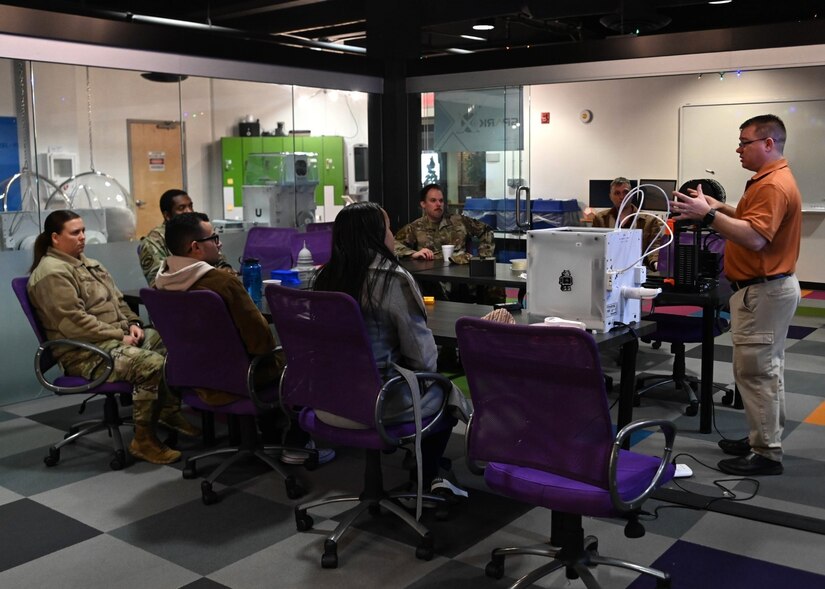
(458, 50)
(720, 2)
(473, 38)
(485, 24)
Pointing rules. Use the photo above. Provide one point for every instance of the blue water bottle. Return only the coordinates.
(252, 280)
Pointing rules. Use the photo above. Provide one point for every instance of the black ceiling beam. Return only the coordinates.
(176, 40)
(626, 47)
(299, 18)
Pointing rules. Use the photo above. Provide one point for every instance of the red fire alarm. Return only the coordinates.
(545, 118)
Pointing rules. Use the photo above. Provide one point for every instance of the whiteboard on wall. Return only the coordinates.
(709, 136)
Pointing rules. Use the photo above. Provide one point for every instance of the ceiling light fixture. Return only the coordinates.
(458, 50)
(485, 24)
(721, 2)
(473, 38)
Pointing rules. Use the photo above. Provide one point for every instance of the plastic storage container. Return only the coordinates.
(482, 209)
(506, 214)
(550, 213)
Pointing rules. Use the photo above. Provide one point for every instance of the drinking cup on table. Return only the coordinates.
(447, 251)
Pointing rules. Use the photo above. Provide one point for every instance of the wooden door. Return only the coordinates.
(156, 164)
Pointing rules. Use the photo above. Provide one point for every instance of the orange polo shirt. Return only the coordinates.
(772, 205)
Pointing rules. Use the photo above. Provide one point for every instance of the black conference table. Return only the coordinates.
(440, 271)
(442, 316)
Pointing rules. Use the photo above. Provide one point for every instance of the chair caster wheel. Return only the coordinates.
(495, 569)
(190, 472)
(727, 398)
(329, 560)
(208, 496)
(591, 545)
(425, 550)
(656, 345)
(692, 409)
(119, 461)
(303, 522)
(53, 457)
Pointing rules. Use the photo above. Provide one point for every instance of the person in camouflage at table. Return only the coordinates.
(153, 248)
(422, 239)
(75, 298)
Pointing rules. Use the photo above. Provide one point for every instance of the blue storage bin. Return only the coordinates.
(551, 213)
(481, 209)
(506, 214)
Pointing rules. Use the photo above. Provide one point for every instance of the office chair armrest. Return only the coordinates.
(254, 394)
(473, 466)
(669, 430)
(388, 386)
(43, 360)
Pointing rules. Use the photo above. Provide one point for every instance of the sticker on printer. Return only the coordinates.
(566, 281)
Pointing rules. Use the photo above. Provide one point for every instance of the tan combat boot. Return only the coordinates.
(145, 446)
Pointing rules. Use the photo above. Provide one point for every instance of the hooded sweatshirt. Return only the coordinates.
(179, 273)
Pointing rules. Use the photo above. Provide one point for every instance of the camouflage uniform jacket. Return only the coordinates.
(77, 299)
(452, 229)
(650, 229)
(153, 251)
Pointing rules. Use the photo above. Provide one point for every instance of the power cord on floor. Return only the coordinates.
(727, 493)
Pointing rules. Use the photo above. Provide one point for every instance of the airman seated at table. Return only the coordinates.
(153, 248)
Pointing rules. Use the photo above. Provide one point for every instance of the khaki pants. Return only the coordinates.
(760, 316)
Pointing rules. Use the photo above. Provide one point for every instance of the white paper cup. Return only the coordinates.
(447, 251)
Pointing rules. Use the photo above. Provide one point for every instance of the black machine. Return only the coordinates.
(697, 254)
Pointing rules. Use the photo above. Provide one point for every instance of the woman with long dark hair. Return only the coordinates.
(76, 298)
(364, 266)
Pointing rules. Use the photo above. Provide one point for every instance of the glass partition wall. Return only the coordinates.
(474, 144)
(108, 142)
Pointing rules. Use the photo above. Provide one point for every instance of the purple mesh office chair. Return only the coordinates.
(271, 247)
(330, 367)
(204, 350)
(318, 242)
(542, 424)
(76, 385)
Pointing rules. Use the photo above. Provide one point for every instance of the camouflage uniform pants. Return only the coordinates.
(141, 365)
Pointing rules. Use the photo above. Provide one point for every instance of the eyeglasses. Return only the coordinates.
(744, 143)
(214, 237)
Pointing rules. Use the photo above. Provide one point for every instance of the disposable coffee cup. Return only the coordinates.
(447, 251)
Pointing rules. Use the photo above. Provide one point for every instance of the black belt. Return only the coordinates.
(740, 284)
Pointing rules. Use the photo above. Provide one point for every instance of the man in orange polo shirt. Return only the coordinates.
(762, 247)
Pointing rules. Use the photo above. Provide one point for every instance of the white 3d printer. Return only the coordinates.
(592, 275)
